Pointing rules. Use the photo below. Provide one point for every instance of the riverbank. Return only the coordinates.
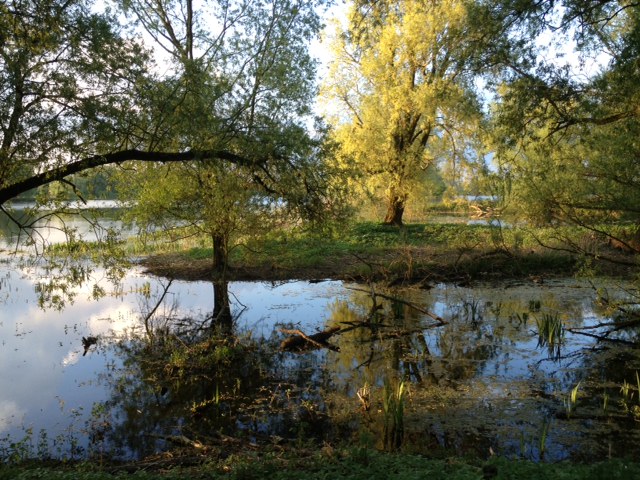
(329, 463)
(418, 254)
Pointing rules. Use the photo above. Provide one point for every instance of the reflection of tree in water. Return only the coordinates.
(189, 384)
(466, 342)
(396, 335)
(212, 389)
(608, 406)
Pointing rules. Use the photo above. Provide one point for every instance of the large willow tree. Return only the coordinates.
(403, 80)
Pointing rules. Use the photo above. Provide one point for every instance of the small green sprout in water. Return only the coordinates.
(544, 434)
(605, 401)
(571, 402)
(627, 395)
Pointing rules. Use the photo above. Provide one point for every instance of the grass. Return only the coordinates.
(357, 464)
(371, 251)
(550, 333)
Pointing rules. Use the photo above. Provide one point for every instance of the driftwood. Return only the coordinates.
(299, 341)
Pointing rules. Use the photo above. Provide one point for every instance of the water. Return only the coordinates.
(476, 384)
(53, 229)
(479, 382)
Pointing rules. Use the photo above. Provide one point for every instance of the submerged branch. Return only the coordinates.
(604, 338)
(300, 341)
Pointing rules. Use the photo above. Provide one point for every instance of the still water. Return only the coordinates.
(477, 382)
(46, 229)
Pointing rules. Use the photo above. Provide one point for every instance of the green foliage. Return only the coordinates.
(566, 139)
(405, 96)
(393, 402)
(551, 334)
(55, 56)
(348, 466)
(571, 401)
(245, 88)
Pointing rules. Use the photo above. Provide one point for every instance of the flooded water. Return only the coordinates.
(474, 374)
(52, 229)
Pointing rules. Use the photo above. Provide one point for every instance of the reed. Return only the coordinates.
(393, 406)
(571, 401)
(550, 333)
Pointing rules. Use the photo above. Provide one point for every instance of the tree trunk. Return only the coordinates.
(222, 318)
(395, 210)
(221, 311)
(219, 255)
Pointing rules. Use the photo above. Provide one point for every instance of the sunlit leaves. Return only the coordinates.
(403, 75)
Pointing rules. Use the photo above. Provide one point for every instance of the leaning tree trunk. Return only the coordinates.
(395, 210)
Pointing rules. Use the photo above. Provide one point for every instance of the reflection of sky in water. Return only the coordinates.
(51, 229)
(517, 354)
(44, 379)
(45, 382)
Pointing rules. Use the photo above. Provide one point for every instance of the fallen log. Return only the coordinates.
(299, 341)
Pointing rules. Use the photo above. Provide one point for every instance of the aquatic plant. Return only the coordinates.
(472, 310)
(393, 406)
(544, 434)
(550, 333)
(572, 400)
(364, 395)
(627, 395)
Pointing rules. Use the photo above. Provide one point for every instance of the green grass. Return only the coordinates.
(358, 464)
(372, 251)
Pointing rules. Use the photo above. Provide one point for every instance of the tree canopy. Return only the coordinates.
(412, 85)
(404, 73)
(79, 91)
(566, 134)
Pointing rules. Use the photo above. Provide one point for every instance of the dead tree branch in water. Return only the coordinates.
(300, 341)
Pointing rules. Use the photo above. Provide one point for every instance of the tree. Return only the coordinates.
(78, 94)
(403, 75)
(568, 142)
(67, 77)
(241, 81)
(224, 115)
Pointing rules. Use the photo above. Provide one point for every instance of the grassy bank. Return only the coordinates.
(417, 253)
(354, 465)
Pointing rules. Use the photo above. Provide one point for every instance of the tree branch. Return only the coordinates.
(60, 173)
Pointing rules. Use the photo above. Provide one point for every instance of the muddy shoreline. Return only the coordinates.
(390, 269)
